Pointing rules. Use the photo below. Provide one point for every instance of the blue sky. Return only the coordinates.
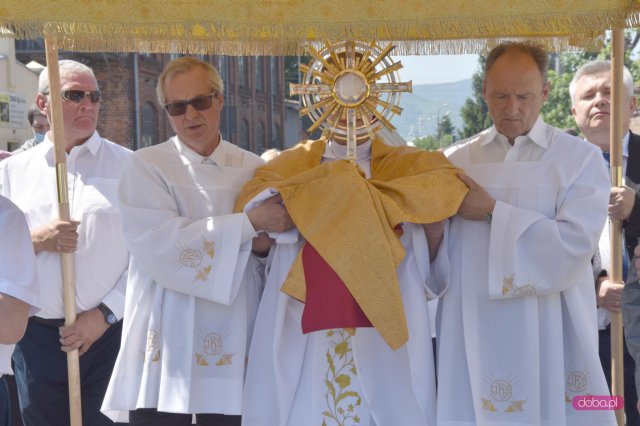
(437, 68)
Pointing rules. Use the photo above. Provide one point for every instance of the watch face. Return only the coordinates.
(111, 319)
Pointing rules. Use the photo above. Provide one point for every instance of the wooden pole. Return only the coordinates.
(67, 260)
(615, 151)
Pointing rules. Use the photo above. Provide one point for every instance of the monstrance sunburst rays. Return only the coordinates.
(349, 89)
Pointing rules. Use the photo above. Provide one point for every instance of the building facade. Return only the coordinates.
(253, 117)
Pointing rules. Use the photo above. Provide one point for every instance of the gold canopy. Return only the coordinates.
(275, 27)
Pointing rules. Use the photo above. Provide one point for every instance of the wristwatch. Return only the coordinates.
(109, 317)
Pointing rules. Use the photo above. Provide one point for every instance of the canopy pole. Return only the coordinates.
(67, 260)
(615, 151)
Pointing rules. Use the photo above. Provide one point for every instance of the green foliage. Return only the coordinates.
(556, 111)
(445, 127)
(430, 143)
(474, 113)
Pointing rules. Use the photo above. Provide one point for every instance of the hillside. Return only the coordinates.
(421, 107)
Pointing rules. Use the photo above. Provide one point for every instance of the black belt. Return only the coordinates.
(48, 322)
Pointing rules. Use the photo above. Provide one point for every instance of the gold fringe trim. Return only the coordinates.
(557, 31)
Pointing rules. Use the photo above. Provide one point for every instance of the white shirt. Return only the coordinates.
(101, 259)
(17, 267)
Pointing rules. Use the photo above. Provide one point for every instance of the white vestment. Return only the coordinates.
(193, 285)
(331, 377)
(517, 336)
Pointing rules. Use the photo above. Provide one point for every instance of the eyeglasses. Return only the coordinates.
(76, 96)
(200, 103)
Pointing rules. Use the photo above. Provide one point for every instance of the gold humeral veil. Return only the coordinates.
(351, 220)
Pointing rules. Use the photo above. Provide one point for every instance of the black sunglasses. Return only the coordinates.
(200, 103)
(76, 96)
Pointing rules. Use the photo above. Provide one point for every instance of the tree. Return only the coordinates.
(446, 131)
(428, 143)
(474, 112)
(556, 111)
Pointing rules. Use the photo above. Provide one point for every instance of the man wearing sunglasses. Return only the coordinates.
(194, 283)
(95, 236)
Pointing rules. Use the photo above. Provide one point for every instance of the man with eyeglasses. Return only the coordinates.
(194, 283)
(101, 257)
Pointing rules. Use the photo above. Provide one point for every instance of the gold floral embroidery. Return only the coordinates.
(515, 406)
(153, 345)
(225, 359)
(507, 285)
(212, 345)
(201, 360)
(500, 398)
(209, 247)
(203, 274)
(487, 405)
(509, 288)
(341, 402)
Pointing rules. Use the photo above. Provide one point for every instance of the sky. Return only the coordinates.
(437, 68)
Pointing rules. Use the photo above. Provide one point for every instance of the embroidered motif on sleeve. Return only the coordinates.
(510, 289)
(193, 258)
(341, 401)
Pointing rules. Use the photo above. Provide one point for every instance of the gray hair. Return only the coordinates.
(184, 64)
(596, 67)
(65, 66)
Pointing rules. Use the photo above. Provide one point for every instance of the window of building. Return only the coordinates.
(149, 125)
(243, 71)
(276, 137)
(274, 76)
(243, 135)
(222, 69)
(260, 137)
(260, 86)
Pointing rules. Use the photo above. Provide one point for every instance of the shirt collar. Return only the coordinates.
(537, 134)
(92, 144)
(217, 156)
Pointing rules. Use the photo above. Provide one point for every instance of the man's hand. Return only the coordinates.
(271, 215)
(477, 203)
(88, 328)
(261, 244)
(58, 236)
(609, 294)
(621, 201)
